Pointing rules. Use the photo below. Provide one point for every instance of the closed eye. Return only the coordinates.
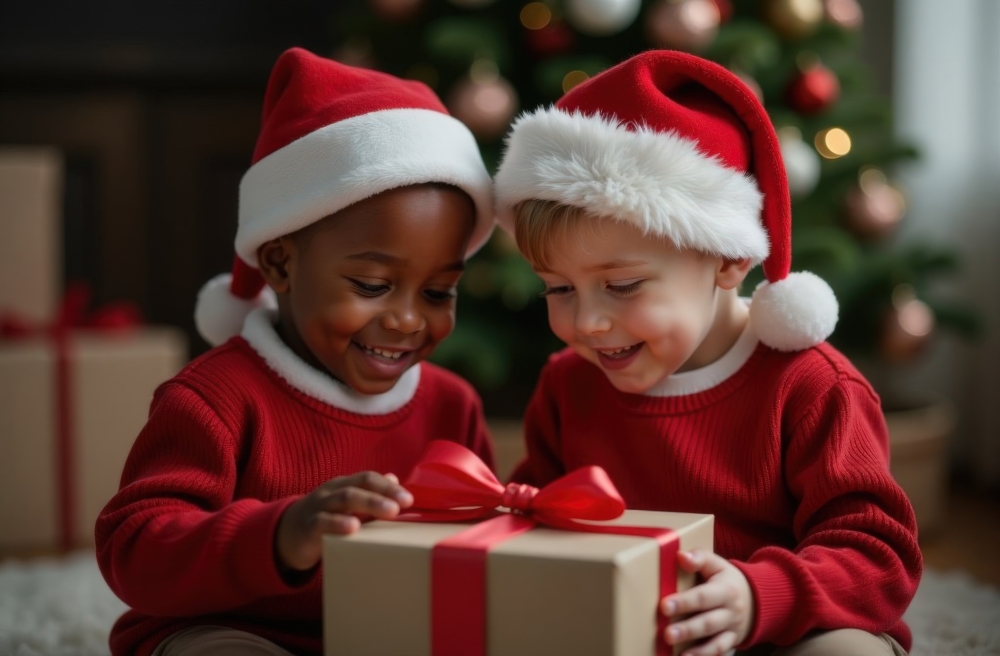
(626, 289)
(368, 289)
(560, 290)
(440, 295)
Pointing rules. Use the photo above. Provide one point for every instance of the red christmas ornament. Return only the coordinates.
(554, 39)
(396, 10)
(814, 90)
(725, 9)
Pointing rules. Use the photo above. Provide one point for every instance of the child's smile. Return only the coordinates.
(386, 361)
(369, 292)
(618, 358)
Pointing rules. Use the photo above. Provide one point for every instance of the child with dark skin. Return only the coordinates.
(364, 295)
(362, 203)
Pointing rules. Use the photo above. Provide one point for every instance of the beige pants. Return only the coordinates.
(842, 642)
(220, 641)
(217, 641)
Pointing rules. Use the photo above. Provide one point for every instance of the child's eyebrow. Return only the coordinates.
(377, 257)
(614, 264)
(391, 260)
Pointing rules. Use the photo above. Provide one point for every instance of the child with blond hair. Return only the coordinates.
(642, 199)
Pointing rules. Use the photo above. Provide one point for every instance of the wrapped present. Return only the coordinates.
(73, 397)
(31, 197)
(561, 570)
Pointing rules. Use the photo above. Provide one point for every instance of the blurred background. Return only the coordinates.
(137, 121)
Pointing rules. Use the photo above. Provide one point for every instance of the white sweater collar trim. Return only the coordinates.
(259, 332)
(705, 378)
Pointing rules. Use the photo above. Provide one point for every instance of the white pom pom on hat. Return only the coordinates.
(682, 148)
(794, 313)
(219, 314)
(332, 135)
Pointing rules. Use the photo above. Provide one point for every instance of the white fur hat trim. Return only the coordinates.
(659, 181)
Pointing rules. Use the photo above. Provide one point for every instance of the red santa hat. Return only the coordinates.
(332, 135)
(682, 148)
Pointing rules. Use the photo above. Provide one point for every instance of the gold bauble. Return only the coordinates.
(793, 19)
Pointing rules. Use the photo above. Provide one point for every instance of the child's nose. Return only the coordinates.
(404, 318)
(591, 320)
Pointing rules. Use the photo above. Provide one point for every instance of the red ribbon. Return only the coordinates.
(72, 315)
(452, 484)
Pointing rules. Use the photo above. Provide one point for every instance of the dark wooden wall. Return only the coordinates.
(156, 108)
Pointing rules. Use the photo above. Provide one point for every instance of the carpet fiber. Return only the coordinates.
(62, 607)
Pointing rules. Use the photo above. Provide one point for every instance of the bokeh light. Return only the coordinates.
(833, 143)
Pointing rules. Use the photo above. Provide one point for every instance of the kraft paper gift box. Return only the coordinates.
(547, 592)
(110, 380)
(31, 198)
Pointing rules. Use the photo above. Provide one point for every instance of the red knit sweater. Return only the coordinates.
(790, 454)
(229, 445)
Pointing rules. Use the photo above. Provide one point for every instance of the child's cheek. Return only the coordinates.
(667, 331)
(440, 323)
(561, 319)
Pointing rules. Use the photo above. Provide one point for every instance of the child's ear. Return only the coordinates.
(272, 260)
(731, 273)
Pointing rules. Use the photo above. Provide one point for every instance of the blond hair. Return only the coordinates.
(537, 223)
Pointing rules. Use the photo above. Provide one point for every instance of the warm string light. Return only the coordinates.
(535, 15)
(833, 143)
(572, 79)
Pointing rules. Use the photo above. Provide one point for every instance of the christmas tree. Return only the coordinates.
(490, 58)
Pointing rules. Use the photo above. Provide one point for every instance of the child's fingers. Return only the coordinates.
(358, 501)
(702, 625)
(701, 597)
(704, 562)
(720, 644)
(392, 477)
(337, 524)
(375, 482)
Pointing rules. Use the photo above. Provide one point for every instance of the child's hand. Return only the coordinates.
(337, 506)
(723, 606)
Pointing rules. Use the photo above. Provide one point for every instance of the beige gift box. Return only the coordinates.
(549, 592)
(112, 380)
(31, 188)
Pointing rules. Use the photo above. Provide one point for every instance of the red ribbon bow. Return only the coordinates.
(452, 484)
(72, 314)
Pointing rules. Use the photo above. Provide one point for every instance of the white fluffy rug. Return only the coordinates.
(62, 607)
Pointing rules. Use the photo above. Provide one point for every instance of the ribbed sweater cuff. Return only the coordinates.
(254, 564)
(774, 601)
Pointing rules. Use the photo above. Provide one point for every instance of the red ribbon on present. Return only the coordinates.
(72, 315)
(452, 484)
